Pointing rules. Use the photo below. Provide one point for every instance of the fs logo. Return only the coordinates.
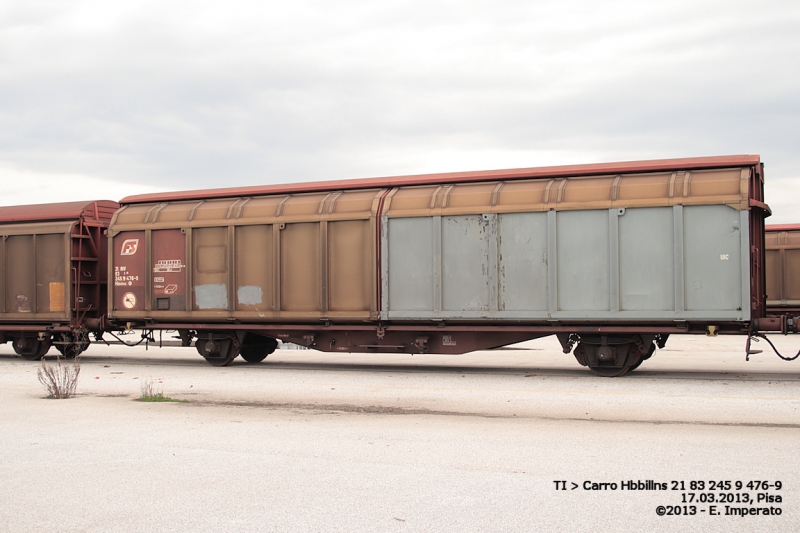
(129, 247)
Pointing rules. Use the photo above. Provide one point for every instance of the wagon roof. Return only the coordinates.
(625, 167)
(99, 209)
(782, 227)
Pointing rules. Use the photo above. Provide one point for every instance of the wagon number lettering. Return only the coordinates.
(724, 257)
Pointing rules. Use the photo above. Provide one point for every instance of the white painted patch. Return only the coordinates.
(213, 296)
(250, 295)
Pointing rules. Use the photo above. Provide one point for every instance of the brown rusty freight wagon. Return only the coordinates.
(783, 269)
(611, 258)
(53, 275)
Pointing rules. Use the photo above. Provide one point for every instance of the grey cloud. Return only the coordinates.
(254, 93)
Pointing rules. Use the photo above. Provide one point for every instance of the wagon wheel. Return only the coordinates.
(218, 350)
(610, 371)
(633, 359)
(30, 348)
(254, 354)
(642, 358)
(258, 351)
(220, 361)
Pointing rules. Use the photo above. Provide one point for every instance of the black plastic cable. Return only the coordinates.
(756, 337)
(144, 337)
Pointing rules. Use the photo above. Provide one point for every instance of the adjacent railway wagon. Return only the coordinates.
(783, 269)
(53, 275)
(611, 258)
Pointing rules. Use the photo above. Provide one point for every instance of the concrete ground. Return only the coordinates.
(308, 441)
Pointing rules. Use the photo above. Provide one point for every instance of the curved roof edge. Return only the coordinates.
(782, 227)
(58, 211)
(625, 167)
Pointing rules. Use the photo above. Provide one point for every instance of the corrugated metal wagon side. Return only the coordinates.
(639, 247)
(53, 275)
(783, 269)
(612, 258)
(291, 258)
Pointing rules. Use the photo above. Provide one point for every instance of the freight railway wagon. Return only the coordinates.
(783, 269)
(611, 258)
(53, 275)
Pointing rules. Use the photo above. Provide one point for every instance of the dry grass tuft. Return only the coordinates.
(59, 378)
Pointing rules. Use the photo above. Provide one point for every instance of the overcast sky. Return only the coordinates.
(106, 99)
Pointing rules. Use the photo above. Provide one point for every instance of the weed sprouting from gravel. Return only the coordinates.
(150, 394)
(59, 378)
